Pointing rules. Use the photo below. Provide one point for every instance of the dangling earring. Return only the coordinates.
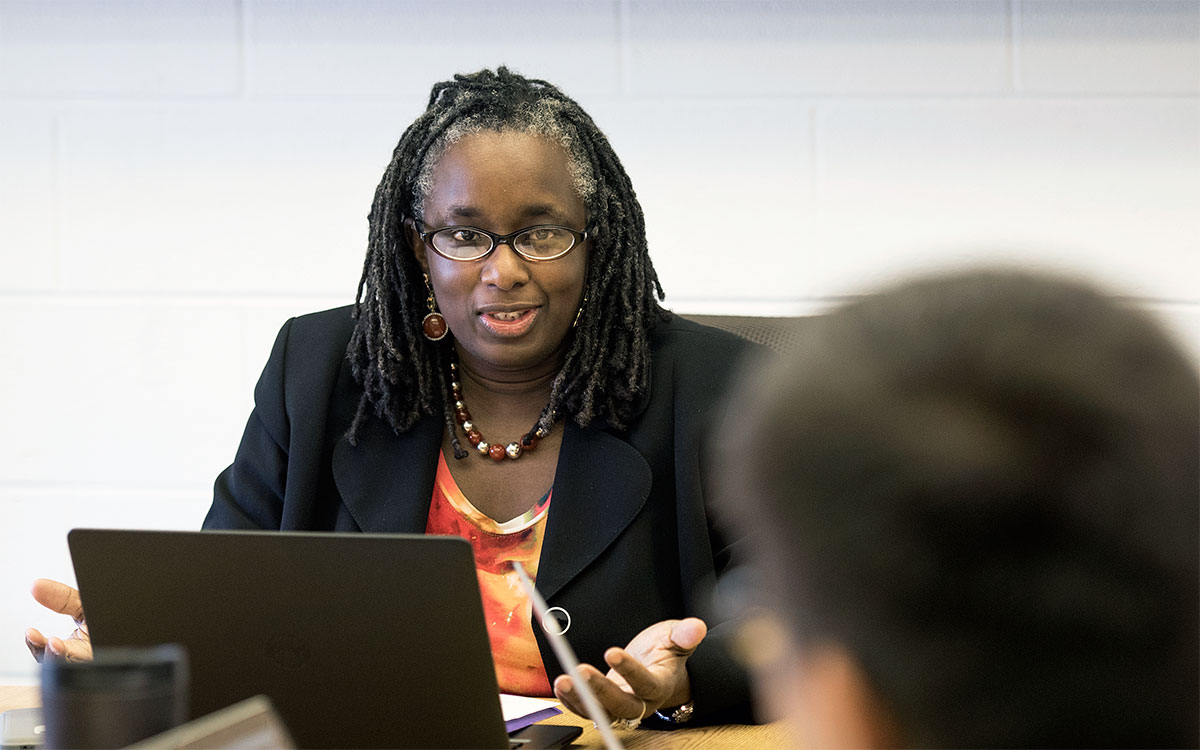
(579, 314)
(434, 325)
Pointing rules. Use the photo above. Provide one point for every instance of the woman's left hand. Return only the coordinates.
(646, 675)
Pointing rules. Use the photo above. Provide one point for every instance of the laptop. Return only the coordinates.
(358, 640)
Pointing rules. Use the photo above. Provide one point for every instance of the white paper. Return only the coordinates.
(516, 706)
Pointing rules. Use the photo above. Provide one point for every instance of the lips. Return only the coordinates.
(508, 321)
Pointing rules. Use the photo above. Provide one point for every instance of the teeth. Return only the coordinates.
(507, 316)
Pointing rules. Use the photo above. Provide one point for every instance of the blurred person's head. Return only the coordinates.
(974, 504)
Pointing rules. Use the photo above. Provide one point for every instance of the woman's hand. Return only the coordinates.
(646, 675)
(63, 599)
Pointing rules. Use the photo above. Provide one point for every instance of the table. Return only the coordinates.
(18, 696)
(723, 737)
(726, 737)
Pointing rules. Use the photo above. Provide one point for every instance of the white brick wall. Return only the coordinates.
(177, 177)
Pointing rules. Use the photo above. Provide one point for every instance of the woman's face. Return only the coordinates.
(510, 316)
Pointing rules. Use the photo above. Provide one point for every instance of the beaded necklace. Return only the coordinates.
(495, 451)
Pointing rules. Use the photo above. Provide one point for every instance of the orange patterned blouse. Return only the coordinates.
(508, 611)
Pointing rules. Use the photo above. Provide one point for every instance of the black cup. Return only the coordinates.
(123, 695)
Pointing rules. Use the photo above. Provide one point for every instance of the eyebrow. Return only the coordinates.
(463, 211)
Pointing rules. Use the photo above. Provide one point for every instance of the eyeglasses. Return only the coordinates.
(542, 242)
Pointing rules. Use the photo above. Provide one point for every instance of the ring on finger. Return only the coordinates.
(631, 723)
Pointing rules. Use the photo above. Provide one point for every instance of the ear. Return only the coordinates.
(833, 705)
(418, 246)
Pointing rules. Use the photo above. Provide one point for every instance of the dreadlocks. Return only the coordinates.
(608, 361)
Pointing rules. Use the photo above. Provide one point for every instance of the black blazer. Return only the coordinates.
(629, 539)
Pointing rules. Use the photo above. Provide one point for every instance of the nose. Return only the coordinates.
(504, 268)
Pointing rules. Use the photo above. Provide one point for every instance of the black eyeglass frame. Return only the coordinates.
(425, 233)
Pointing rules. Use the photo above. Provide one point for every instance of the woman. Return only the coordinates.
(508, 375)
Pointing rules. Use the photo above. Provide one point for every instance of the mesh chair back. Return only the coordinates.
(780, 335)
